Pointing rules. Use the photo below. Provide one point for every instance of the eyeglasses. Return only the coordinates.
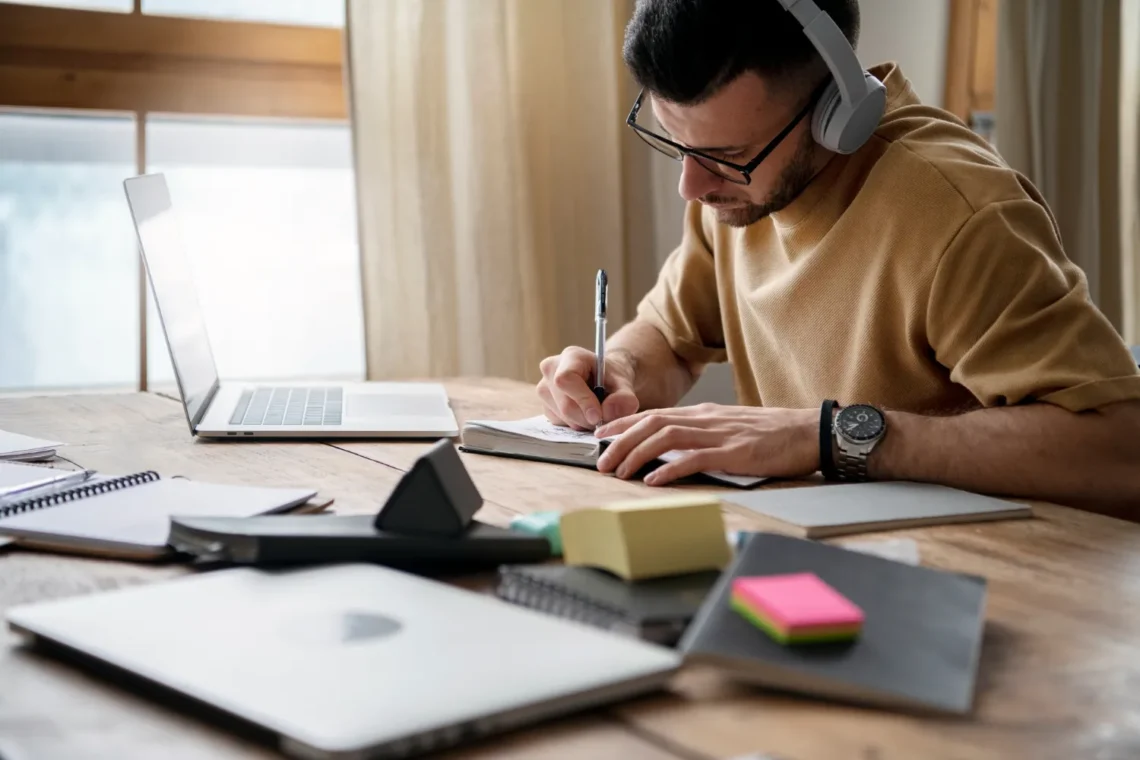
(741, 174)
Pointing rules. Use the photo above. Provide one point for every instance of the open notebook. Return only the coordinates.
(539, 439)
(129, 516)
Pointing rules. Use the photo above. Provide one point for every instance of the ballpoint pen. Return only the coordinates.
(58, 481)
(600, 335)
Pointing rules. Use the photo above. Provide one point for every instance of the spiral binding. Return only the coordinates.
(79, 492)
(557, 600)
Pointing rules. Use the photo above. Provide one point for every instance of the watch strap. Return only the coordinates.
(852, 466)
(826, 437)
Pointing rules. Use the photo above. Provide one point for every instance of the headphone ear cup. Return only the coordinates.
(841, 128)
(823, 115)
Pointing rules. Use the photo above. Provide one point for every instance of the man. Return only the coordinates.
(918, 276)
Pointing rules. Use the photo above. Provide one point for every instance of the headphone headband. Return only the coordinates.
(850, 109)
(833, 47)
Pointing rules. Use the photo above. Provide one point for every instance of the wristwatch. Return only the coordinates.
(858, 429)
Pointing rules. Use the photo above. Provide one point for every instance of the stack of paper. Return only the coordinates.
(22, 448)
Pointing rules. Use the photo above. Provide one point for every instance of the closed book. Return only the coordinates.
(656, 610)
(918, 649)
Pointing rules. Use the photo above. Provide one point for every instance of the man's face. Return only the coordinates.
(734, 125)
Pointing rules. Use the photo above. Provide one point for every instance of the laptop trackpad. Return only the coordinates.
(379, 405)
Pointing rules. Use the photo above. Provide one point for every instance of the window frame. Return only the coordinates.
(82, 61)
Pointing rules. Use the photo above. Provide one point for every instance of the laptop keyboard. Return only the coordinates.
(289, 406)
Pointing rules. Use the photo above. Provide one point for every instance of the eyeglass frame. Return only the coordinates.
(745, 169)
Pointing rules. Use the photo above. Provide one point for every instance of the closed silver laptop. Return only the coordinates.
(352, 661)
(216, 408)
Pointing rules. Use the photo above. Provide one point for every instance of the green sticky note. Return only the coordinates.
(546, 524)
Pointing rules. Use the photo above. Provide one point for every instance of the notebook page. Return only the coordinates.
(140, 515)
(539, 428)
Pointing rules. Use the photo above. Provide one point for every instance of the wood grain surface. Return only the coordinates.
(1060, 663)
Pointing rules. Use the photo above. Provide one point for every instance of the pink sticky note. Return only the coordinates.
(797, 600)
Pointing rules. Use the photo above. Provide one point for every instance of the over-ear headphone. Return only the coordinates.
(851, 106)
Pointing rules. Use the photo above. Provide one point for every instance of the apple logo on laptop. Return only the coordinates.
(361, 626)
(341, 627)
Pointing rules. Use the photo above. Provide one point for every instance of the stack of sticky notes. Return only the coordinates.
(796, 608)
(647, 538)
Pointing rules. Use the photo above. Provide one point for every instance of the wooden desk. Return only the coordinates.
(1060, 664)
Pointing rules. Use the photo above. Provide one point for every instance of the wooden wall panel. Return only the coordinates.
(60, 58)
(971, 57)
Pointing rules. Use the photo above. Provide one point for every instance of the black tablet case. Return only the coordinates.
(348, 538)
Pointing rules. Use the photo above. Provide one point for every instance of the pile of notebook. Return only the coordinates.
(919, 631)
(126, 516)
(15, 447)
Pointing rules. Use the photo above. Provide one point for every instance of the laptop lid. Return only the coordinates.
(172, 284)
(352, 660)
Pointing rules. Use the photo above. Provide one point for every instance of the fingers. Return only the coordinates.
(669, 438)
(692, 415)
(690, 463)
(575, 398)
(618, 404)
(550, 408)
(643, 442)
(629, 432)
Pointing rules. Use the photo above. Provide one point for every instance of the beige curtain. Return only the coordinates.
(1063, 119)
(494, 179)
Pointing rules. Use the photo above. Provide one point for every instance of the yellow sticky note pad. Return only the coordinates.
(648, 538)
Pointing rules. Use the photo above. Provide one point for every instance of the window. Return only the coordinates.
(68, 272)
(241, 104)
(268, 219)
(328, 13)
(121, 6)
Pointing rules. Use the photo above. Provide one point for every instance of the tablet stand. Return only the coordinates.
(436, 497)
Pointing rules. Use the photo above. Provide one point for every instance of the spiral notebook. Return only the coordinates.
(656, 610)
(129, 516)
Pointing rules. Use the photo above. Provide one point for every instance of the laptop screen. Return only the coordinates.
(172, 283)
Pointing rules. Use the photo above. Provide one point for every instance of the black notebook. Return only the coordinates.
(918, 650)
(656, 610)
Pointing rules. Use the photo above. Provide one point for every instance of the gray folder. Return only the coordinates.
(835, 510)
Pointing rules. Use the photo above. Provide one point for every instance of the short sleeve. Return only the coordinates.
(684, 304)
(1011, 317)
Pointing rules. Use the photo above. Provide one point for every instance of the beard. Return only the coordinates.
(794, 178)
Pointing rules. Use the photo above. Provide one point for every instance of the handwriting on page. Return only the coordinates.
(540, 427)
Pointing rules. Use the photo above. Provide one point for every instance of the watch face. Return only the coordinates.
(860, 423)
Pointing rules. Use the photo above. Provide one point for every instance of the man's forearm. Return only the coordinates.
(1090, 460)
(660, 377)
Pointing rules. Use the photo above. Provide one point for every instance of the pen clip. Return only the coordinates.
(600, 294)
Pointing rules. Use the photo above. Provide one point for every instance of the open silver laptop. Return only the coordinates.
(351, 661)
(217, 408)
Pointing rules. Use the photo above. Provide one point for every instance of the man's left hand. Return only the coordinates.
(739, 440)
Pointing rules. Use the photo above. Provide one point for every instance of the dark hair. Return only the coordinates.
(685, 50)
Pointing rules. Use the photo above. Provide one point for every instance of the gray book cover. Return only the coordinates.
(918, 650)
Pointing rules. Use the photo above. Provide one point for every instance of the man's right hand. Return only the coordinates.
(568, 398)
